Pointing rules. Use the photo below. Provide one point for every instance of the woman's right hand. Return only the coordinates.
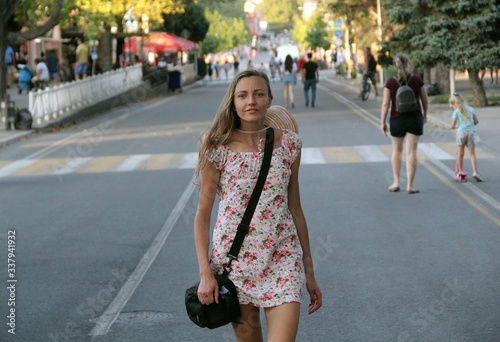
(383, 128)
(208, 290)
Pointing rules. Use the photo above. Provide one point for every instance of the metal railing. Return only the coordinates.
(59, 101)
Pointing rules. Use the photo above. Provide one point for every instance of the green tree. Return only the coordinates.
(318, 35)
(98, 16)
(28, 16)
(280, 14)
(360, 17)
(461, 34)
(224, 33)
(192, 24)
(226, 8)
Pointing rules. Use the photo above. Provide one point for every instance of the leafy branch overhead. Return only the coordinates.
(462, 35)
(52, 11)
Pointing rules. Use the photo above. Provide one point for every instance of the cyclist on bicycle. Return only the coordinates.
(370, 67)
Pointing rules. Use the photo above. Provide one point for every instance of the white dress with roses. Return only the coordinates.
(269, 269)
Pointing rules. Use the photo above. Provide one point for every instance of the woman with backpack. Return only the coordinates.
(406, 99)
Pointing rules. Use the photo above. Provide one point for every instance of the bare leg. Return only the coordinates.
(397, 150)
(250, 329)
(285, 95)
(460, 158)
(282, 322)
(473, 159)
(411, 159)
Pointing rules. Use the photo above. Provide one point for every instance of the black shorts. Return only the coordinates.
(371, 76)
(401, 125)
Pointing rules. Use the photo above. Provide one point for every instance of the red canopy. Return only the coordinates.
(168, 43)
(161, 43)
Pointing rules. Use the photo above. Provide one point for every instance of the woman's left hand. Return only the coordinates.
(315, 294)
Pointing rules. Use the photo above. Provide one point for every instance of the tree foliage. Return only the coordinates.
(461, 34)
(360, 17)
(317, 35)
(98, 15)
(193, 22)
(224, 33)
(280, 14)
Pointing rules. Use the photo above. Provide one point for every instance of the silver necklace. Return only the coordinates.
(249, 132)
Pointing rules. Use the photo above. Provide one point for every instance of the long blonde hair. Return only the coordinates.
(226, 120)
(456, 100)
(402, 65)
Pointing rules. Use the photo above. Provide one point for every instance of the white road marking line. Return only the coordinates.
(432, 151)
(133, 162)
(312, 155)
(371, 153)
(15, 166)
(106, 320)
(188, 161)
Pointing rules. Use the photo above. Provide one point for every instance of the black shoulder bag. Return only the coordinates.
(228, 309)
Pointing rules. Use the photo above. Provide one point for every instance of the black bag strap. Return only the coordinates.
(244, 226)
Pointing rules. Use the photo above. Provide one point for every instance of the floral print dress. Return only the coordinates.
(269, 269)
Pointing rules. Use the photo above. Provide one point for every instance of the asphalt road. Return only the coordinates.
(102, 214)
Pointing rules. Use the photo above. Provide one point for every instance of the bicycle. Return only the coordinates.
(365, 89)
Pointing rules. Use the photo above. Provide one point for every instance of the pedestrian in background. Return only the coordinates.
(10, 61)
(310, 78)
(227, 67)
(42, 74)
(370, 67)
(467, 120)
(300, 64)
(288, 74)
(53, 65)
(82, 59)
(403, 127)
(236, 66)
(275, 260)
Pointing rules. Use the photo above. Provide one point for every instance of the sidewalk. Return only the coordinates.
(10, 136)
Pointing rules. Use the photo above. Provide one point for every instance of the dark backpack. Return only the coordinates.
(406, 99)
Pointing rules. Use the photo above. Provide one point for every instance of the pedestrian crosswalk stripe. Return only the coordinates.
(71, 166)
(40, 167)
(312, 156)
(431, 150)
(371, 153)
(15, 166)
(344, 154)
(189, 161)
(163, 161)
(99, 164)
(185, 161)
(132, 163)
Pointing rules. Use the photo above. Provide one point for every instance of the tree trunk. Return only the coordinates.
(105, 60)
(6, 11)
(480, 99)
(427, 76)
(443, 78)
(3, 69)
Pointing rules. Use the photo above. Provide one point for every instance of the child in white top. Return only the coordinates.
(467, 120)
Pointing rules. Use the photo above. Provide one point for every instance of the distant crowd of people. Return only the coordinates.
(48, 67)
